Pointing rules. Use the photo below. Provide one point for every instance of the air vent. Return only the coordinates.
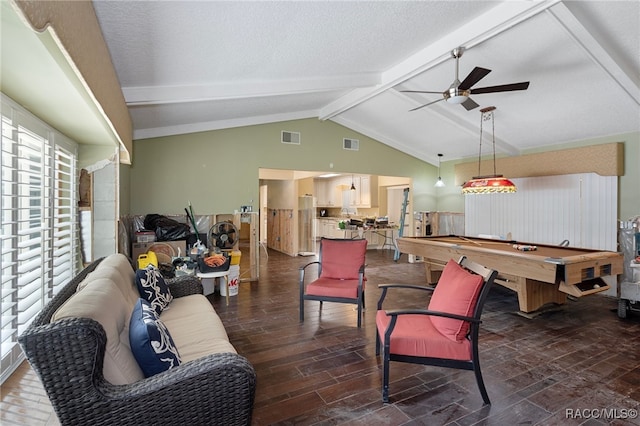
(290, 137)
(350, 144)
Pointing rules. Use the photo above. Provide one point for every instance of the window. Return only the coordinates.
(39, 222)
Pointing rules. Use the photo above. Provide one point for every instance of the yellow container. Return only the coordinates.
(235, 257)
(146, 259)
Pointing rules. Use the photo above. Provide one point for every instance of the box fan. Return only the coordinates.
(222, 235)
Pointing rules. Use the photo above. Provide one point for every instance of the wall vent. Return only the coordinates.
(290, 137)
(351, 144)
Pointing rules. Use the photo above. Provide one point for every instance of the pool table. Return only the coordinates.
(541, 276)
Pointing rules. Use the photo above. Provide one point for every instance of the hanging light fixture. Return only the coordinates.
(353, 187)
(488, 184)
(439, 182)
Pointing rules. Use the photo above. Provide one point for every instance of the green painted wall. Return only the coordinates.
(217, 171)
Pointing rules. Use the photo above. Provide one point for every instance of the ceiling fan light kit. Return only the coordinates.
(456, 96)
(489, 184)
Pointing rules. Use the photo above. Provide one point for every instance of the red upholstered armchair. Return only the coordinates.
(340, 274)
(446, 333)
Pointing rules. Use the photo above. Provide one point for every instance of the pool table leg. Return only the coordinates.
(433, 271)
(532, 294)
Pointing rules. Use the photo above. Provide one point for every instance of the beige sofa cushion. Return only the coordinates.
(195, 327)
(101, 300)
(117, 268)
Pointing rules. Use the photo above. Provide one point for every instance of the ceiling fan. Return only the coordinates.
(458, 93)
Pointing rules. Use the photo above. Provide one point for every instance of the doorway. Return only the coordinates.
(280, 192)
(395, 198)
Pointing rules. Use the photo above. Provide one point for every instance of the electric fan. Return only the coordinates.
(222, 235)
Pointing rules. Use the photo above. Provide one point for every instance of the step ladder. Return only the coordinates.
(403, 214)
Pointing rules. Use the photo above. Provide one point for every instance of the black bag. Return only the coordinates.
(166, 229)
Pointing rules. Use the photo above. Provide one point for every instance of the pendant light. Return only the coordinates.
(488, 184)
(353, 187)
(439, 182)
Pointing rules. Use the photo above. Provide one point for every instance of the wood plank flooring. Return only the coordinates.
(580, 359)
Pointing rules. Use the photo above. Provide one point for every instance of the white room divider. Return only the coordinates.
(581, 208)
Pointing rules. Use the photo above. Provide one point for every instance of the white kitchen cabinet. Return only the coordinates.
(324, 193)
(336, 192)
(328, 228)
(366, 193)
(335, 231)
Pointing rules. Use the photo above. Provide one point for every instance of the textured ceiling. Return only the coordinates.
(194, 66)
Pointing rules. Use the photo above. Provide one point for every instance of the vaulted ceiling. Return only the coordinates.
(190, 66)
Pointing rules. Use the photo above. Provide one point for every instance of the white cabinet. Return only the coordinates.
(336, 192)
(322, 227)
(366, 193)
(328, 228)
(325, 193)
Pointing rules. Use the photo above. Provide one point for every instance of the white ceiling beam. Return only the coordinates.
(157, 95)
(594, 50)
(181, 129)
(489, 24)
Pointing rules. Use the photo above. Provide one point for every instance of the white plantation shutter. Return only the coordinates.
(39, 222)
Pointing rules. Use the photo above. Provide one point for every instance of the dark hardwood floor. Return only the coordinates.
(576, 365)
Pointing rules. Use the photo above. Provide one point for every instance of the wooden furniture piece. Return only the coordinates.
(539, 277)
(340, 276)
(446, 333)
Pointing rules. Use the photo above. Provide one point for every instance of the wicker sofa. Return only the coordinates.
(78, 345)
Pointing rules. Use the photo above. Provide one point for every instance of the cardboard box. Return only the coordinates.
(145, 237)
(170, 248)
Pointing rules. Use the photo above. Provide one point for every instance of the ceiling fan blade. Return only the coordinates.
(470, 104)
(503, 88)
(417, 91)
(422, 106)
(474, 76)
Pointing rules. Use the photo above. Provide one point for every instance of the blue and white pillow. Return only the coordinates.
(150, 341)
(152, 288)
